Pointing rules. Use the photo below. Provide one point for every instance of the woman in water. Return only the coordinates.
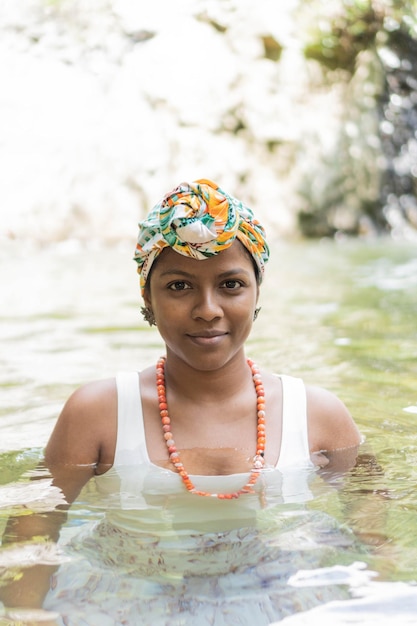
(197, 444)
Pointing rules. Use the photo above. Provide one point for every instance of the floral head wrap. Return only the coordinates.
(198, 220)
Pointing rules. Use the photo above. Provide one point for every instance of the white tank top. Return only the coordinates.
(131, 443)
(138, 491)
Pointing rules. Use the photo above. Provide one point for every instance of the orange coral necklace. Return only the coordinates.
(174, 455)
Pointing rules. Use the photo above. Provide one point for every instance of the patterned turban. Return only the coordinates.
(198, 220)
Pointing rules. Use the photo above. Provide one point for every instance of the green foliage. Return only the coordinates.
(356, 25)
(342, 193)
(340, 48)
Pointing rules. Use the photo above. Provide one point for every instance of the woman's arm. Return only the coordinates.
(352, 470)
(82, 444)
(84, 437)
(333, 436)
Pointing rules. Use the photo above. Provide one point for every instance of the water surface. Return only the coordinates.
(341, 315)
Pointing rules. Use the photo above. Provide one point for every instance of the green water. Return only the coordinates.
(341, 315)
(355, 317)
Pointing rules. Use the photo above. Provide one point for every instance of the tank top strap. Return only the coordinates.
(131, 443)
(294, 440)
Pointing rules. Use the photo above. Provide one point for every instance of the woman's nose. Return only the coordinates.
(207, 306)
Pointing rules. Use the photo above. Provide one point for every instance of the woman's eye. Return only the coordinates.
(179, 285)
(232, 284)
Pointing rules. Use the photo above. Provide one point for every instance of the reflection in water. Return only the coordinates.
(340, 315)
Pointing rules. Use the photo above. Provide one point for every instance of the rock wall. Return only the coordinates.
(108, 104)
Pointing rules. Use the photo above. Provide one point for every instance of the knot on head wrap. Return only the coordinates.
(198, 220)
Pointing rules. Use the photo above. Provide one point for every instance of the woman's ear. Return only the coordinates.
(146, 310)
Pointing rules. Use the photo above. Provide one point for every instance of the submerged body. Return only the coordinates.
(177, 563)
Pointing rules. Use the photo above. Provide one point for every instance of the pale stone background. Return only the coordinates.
(107, 104)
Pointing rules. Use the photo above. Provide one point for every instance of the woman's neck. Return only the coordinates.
(210, 385)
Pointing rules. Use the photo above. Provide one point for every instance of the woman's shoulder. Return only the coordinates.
(330, 423)
(97, 394)
(86, 426)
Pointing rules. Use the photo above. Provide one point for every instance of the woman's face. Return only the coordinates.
(204, 309)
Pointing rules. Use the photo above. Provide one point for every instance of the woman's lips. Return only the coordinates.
(209, 338)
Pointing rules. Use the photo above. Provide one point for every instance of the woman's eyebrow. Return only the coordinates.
(172, 271)
(234, 272)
